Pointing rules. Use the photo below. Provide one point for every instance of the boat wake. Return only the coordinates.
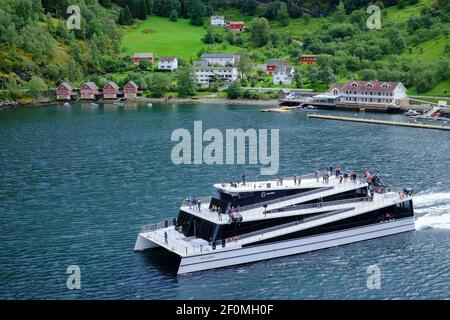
(433, 210)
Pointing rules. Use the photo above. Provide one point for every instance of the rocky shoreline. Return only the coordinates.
(9, 104)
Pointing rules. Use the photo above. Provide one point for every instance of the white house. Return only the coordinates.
(370, 92)
(221, 59)
(167, 63)
(283, 74)
(205, 75)
(218, 21)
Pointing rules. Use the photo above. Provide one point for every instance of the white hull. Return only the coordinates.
(143, 243)
(235, 256)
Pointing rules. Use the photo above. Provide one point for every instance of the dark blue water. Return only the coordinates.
(76, 183)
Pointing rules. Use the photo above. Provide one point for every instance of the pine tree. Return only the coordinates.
(149, 4)
(122, 20)
(127, 16)
(143, 10)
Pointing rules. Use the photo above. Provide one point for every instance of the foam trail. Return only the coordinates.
(433, 210)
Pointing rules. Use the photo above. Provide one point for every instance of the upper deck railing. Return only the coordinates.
(282, 199)
(159, 225)
(319, 204)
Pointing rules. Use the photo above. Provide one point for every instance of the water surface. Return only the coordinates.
(76, 183)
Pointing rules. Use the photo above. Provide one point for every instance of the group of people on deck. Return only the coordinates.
(218, 210)
(363, 177)
(194, 204)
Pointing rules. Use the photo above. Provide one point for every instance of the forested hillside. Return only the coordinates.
(37, 49)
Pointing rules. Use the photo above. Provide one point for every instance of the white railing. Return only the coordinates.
(257, 211)
(159, 225)
(260, 211)
(364, 207)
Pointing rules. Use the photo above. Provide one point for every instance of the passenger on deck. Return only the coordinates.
(199, 204)
(243, 179)
(317, 175)
(338, 172)
(295, 179)
(165, 237)
(354, 176)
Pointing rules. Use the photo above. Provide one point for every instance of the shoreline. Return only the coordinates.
(206, 101)
(4, 105)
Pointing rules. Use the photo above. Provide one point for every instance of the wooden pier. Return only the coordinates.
(382, 122)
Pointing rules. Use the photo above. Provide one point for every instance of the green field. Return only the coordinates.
(168, 38)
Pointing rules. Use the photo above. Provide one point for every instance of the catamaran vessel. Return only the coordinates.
(252, 221)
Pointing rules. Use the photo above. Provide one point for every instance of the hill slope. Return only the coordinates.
(419, 56)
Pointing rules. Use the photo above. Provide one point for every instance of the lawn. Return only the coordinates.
(168, 38)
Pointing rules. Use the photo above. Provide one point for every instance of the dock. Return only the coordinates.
(281, 109)
(382, 122)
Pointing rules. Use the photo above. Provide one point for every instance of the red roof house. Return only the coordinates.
(138, 57)
(370, 92)
(308, 59)
(111, 90)
(89, 91)
(236, 25)
(130, 90)
(65, 91)
(272, 64)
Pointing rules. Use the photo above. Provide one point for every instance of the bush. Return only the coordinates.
(36, 86)
(234, 90)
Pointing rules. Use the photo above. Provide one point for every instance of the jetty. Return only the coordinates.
(381, 122)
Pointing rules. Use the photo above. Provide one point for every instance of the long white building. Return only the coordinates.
(206, 74)
(370, 92)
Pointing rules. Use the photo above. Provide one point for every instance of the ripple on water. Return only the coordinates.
(76, 184)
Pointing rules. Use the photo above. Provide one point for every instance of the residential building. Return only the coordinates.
(65, 91)
(237, 26)
(308, 59)
(206, 75)
(167, 63)
(138, 57)
(221, 59)
(370, 92)
(89, 91)
(218, 21)
(283, 74)
(111, 90)
(130, 90)
(272, 64)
